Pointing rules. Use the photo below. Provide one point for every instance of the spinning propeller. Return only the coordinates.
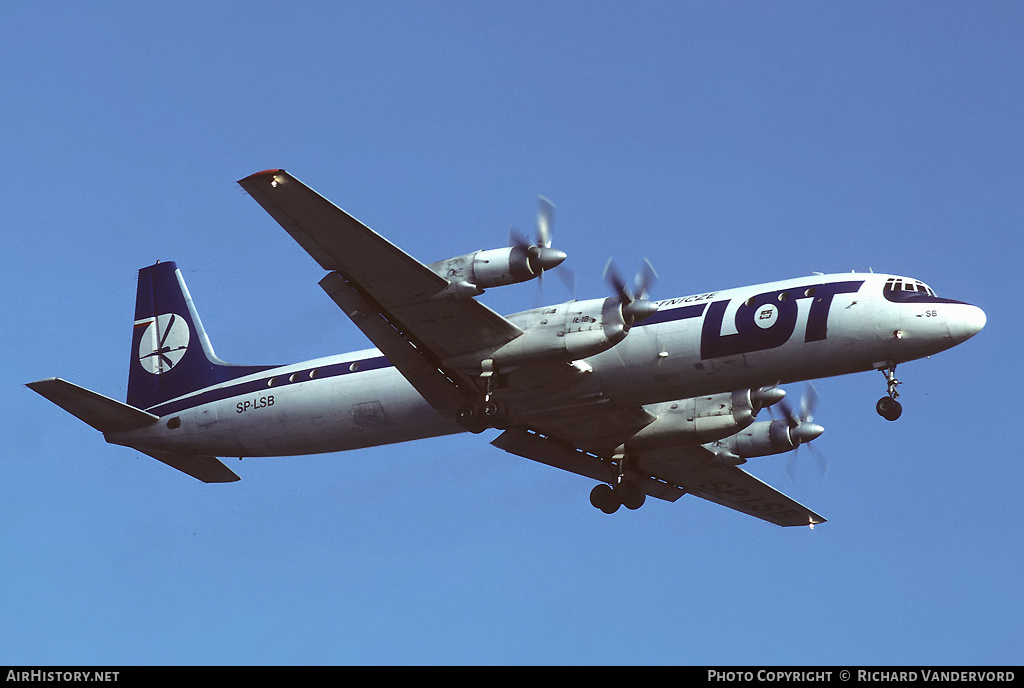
(540, 254)
(635, 305)
(803, 429)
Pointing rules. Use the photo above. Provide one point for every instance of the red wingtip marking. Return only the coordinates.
(264, 173)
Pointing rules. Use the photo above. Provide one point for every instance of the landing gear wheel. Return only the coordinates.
(494, 414)
(603, 497)
(889, 408)
(631, 496)
(471, 419)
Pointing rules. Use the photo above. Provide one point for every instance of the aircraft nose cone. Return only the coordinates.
(805, 432)
(965, 322)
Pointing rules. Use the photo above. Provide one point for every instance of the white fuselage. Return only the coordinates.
(800, 329)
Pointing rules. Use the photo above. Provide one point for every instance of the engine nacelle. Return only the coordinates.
(764, 439)
(470, 274)
(698, 420)
(567, 332)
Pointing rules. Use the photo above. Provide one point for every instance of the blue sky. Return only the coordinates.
(731, 143)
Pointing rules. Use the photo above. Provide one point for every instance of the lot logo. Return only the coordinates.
(164, 342)
(767, 320)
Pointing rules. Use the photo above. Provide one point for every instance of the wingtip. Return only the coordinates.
(36, 385)
(257, 175)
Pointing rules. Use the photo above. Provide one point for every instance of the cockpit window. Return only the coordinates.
(901, 284)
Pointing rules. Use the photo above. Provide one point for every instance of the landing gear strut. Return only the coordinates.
(887, 406)
(486, 414)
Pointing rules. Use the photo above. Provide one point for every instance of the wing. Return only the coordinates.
(395, 299)
(695, 470)
(668, 475)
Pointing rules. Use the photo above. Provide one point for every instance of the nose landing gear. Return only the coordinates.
(887, 406)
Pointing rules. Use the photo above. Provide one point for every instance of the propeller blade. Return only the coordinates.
(634, 308)
(803, 430)
(820, 459)
(615, 281)
(788, 414)
(568, 278)
(645, 279)
(808, 403)
(516, 238)
(545, 215)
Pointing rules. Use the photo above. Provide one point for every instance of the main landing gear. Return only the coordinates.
(887, 406)
(608, 499)
(488, 413)
(624, 492)
(478, 417)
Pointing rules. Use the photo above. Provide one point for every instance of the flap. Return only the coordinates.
(442, 391)
(550, 451)
(598, 425)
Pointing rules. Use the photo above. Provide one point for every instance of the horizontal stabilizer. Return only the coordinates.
(209, 469)
(102, 413)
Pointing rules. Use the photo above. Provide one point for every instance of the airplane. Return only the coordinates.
(648, 398)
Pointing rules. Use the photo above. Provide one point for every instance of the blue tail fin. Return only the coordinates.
(171, 354)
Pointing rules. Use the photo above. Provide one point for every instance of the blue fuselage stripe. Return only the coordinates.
(273, 381)
(672, 314)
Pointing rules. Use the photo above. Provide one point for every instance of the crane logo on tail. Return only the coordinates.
(164, 342)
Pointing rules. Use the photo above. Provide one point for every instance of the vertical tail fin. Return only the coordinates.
(171, 353)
